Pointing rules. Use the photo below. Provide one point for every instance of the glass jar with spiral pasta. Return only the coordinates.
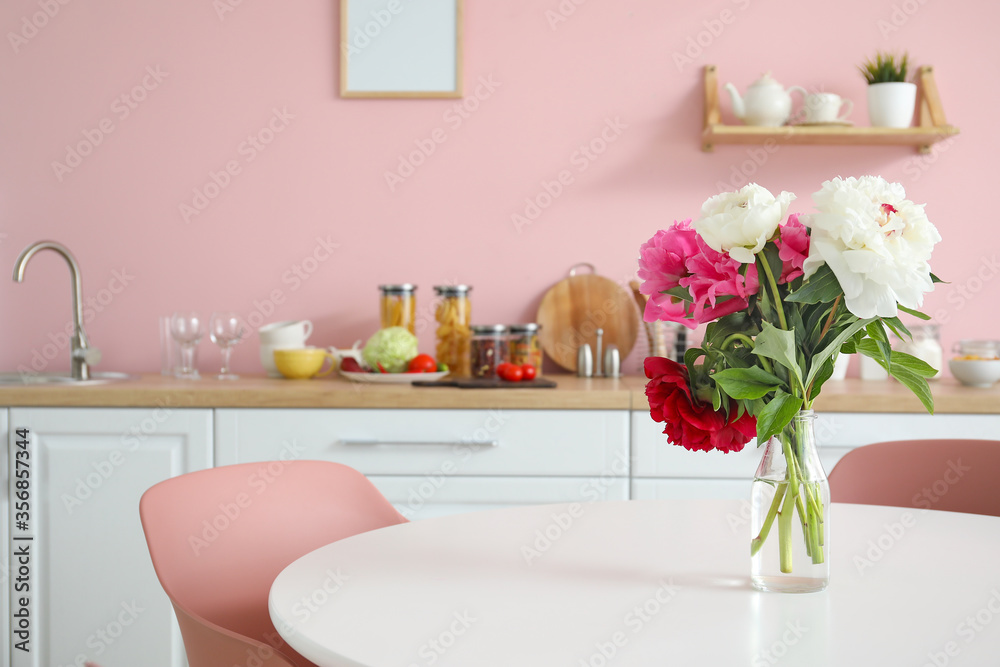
(398, 306)
(525, 349)
(454, 331)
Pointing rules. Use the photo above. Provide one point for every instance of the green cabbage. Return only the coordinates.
(392, 347)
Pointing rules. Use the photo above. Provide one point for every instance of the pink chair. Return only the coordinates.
(219, 537)
(951, 475)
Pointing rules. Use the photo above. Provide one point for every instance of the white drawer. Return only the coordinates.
(437, 495)
(836, 434)
(419, 442)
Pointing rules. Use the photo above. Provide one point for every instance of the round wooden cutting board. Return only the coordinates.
(575, 307)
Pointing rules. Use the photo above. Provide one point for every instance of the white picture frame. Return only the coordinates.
(401, 48)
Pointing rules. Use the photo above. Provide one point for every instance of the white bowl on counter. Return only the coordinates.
(982, 373)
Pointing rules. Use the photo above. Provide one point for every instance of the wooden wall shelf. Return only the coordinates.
(932, 129)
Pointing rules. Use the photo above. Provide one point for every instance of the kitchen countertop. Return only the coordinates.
(625, 393)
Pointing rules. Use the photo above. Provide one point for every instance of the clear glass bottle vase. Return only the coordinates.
(790, 502)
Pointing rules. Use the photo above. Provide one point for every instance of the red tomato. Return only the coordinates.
(529, 372)
(513, 373)
(502, 369)
(422, 363)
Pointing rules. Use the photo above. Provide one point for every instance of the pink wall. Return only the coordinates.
(322, 177)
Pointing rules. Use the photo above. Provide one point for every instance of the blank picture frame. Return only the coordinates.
(401, 48)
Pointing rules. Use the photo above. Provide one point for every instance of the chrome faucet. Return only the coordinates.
(82, 355)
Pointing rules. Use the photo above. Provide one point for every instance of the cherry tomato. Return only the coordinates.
(513, 373)
(529, 372)
(502, 369)
(422, 363)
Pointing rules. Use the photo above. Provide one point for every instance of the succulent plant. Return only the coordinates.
(885, 68)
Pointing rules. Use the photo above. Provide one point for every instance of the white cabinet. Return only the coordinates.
(94, 594)
(433, 462)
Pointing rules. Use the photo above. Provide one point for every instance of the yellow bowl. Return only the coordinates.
(303, 363)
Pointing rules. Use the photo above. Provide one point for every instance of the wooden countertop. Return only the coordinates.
(573, 393)
(262, 392)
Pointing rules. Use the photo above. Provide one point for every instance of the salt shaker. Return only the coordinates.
(584, 361)
(612, 362)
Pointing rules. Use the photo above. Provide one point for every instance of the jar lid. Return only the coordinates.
(479, 329)
(531, 327)
(405, 288)
(452, 290)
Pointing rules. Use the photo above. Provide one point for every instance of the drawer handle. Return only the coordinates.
(418, 443)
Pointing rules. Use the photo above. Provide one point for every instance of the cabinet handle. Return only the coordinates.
(419, 443)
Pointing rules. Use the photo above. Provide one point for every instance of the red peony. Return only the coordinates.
(690, 423)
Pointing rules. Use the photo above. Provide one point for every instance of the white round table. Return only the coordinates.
(643, 583)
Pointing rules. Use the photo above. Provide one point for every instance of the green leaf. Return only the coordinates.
(716, 398)
(776, 415)
(691, 355)
(917, 384)
(897, 327)
(751, 383)
(779, 345)
(828, 351)
(825, 373)
(935, 279)
(877, 333)
(915, 313)
(679, 293)
(911, 363)
(822, 287)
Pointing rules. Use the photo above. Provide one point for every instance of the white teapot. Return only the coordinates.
(766, 104)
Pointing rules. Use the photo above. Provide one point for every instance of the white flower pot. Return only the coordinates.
(891, 104)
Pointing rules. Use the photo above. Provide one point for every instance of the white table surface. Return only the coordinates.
(908, 587)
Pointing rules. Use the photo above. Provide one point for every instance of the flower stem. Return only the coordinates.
(774, 289)
(758, 541)
(785, 533)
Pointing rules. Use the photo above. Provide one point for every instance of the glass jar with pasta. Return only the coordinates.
(525, 349)
(454, 333)
(398, 306)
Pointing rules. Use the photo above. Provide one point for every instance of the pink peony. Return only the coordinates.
(679, 257)
(793, 248)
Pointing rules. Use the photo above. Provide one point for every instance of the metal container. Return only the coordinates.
(584, 361)
(612, 362)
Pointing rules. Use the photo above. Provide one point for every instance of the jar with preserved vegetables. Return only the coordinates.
(489, 349)
(454, 332)
(525, 348)
(398, 306)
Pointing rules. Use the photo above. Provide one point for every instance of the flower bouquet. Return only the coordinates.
(782, 296)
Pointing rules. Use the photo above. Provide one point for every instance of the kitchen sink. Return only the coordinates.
(12, 379)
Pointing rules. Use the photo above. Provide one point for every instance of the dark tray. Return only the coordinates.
(487, 383)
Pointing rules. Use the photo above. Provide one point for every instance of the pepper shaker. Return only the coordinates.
(598, 353)
(612, 362)
(584, 361)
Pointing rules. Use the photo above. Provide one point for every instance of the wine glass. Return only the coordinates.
(187, 329)
(225, 330)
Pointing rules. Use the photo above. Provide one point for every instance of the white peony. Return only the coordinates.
(740, 223)
(877, 243)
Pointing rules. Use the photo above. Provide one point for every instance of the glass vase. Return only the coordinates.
(790, 502)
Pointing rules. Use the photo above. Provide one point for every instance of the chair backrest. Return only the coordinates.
(219, 537)
(951, 475)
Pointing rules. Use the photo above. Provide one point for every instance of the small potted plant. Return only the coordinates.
(891, 99)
